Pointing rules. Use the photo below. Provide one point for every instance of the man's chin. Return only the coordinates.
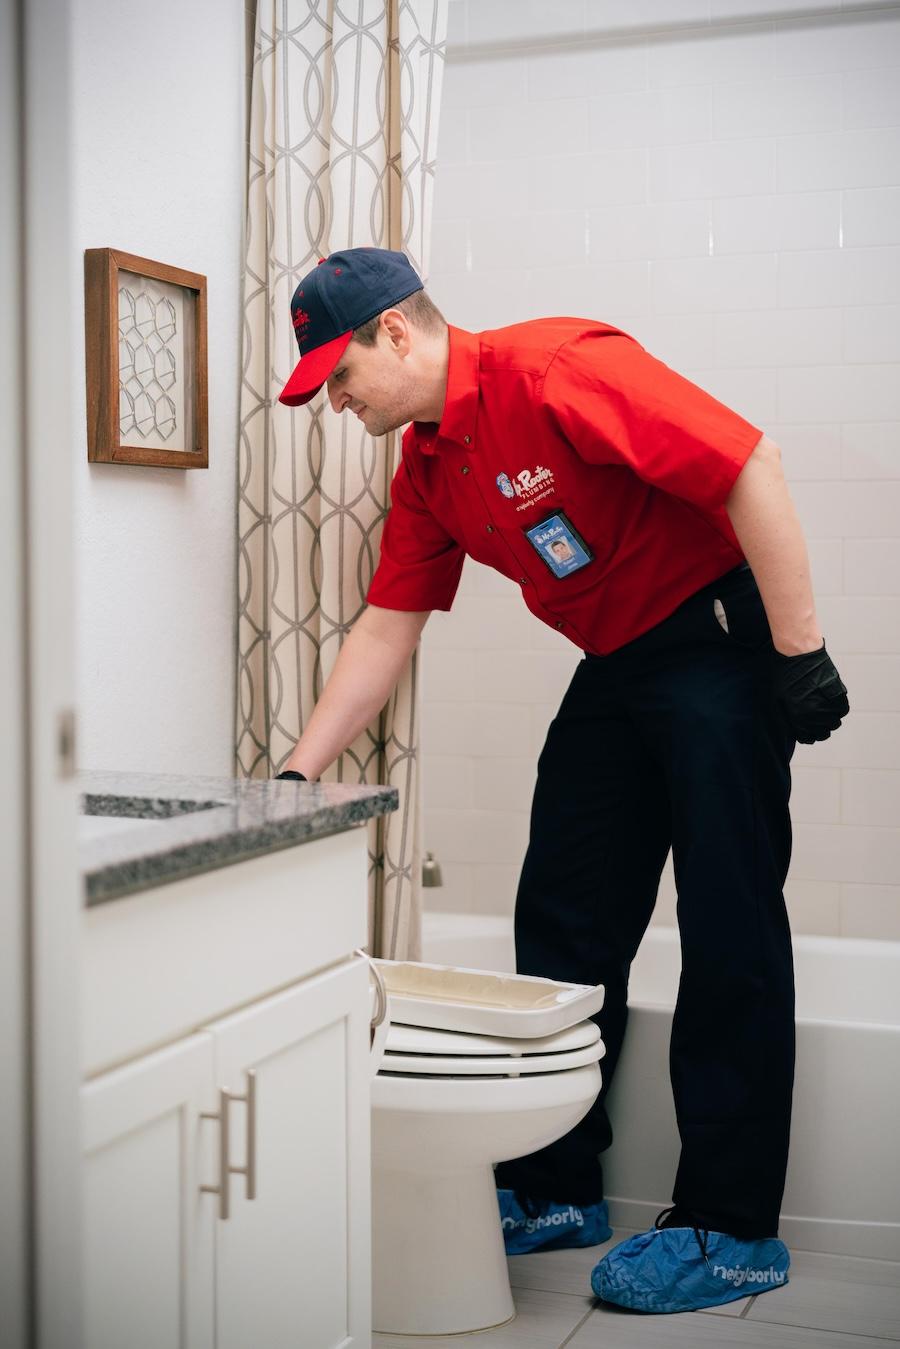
(382, 427)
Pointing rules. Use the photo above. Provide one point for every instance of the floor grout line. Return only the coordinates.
(750, 1302)
(575, 1329)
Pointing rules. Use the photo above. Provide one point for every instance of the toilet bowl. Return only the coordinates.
(447, 1103)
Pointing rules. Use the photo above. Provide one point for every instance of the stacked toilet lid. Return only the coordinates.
(425, 1051)
(446, 1021)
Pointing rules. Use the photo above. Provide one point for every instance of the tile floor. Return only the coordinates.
(831, 1302)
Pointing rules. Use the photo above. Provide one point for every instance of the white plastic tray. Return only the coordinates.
(449, 997)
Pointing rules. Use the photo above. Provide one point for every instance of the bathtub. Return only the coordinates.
(843, 1183)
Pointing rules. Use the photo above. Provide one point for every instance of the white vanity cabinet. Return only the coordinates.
(227, 1171)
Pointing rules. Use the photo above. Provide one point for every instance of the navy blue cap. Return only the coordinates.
(342, 293)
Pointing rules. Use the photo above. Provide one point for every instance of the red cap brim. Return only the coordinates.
(312, 370)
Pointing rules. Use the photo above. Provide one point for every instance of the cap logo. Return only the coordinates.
(300, 319)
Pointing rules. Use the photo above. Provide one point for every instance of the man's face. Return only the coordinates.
(375, 385)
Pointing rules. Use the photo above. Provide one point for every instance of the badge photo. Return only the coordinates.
(559, 545)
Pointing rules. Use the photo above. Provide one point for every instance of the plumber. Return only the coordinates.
(651, 526)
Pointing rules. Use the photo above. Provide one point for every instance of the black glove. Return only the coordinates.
(291, 776)
(811, 693)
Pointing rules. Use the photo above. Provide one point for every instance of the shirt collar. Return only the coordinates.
(461, 402)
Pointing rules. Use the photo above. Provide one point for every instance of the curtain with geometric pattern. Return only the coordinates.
(345, 100)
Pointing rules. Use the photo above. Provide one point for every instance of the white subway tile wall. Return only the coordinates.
(721, 178)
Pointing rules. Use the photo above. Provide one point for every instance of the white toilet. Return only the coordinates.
(476, 1068)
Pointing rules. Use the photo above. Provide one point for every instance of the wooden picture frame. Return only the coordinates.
(146, 358)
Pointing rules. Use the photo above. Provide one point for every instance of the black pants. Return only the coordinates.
(674, 741)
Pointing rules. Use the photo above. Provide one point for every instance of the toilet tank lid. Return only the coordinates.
(449, 997)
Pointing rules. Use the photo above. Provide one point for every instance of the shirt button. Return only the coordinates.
(489, 528)
(467, 439)
(523, 580)
(466, 468)
(560, 624)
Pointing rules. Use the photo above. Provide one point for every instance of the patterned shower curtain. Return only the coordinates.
(345, 99)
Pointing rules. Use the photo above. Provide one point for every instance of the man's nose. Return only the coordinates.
(335, 397)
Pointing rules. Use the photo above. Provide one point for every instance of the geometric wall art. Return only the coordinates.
(146, 354)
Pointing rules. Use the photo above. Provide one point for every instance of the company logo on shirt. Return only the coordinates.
(526, 482)
(529, 485)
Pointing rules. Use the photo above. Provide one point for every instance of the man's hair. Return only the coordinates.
(419, 308)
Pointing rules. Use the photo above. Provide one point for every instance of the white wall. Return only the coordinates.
(159, 167)
(730, 194)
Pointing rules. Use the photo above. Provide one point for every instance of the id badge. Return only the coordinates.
(558, 544)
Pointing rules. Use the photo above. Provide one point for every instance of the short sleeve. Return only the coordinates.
(420, 562)
(617, 404)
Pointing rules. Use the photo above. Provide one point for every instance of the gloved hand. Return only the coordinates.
(291, 776)
(811, 693)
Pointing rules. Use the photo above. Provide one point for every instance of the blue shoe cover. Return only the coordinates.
(666, 1270)
(541, 1225)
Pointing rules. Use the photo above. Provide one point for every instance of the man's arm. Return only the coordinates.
(765, 522)
(370, 663)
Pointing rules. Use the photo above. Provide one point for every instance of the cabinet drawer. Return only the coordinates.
(161, 963)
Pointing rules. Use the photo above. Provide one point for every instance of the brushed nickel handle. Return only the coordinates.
(222, 1188)
(251, 1135)
(249, 1169)
(225, 1168)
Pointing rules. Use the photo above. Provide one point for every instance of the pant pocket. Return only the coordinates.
(737, 613)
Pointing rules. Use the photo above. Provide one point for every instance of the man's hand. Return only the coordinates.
(811, 692)
(365, 674)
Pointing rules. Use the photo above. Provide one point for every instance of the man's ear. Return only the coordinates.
(396, 326)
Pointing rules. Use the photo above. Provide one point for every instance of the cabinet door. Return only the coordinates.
(293, 1263)
(148, 1230)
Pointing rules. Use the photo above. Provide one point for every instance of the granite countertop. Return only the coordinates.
(139, 830)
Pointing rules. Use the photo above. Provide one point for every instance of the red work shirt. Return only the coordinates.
(565, 414)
